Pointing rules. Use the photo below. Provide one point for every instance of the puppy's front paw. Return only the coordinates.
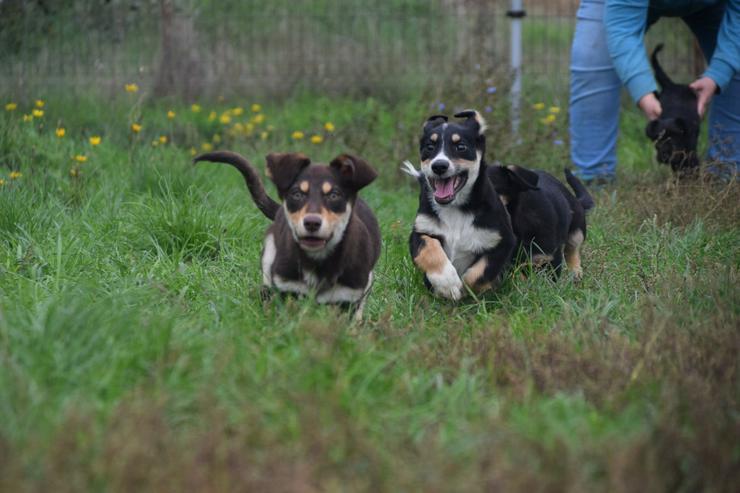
(446, 283)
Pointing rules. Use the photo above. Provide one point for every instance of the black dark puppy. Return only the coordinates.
(462, 233)
(547, 219)
(323, 239)
(676, 132)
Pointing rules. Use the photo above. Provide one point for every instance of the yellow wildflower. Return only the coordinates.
(132, 87)
(170, 115)
(548, 119)
(238, 128)
(248, 129)
(264, 135)
(193, 152)
(40, 103)
(80, 158)
(225, 118)
(256, 108)
(329, 126)
(14, 175)
(10, 107)
(162, 139)
(238, 111)
(216, 139)
(259, 118)
(538, 106)
(94, 140)
(74, 172)
(60, 132)
(135, 128)
(2, 182)
(38, 113)
(206, 146)
(27, 118)
(297, 135)
(317, 139)
(195, 108)
(554, 110)
(212, 116)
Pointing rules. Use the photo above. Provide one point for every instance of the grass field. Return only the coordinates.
(135, 354)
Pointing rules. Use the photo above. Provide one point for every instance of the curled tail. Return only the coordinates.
(264, 203)
(587, 202)
(660, 75)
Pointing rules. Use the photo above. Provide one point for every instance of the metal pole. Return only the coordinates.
(516, 14)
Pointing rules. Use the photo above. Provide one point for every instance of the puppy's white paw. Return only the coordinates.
(447, 283)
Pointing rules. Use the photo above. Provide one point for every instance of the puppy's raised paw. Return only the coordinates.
(446, 283)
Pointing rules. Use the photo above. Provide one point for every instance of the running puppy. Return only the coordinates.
(676, 131)
(462, 234)
(324, 238)
(547, 219)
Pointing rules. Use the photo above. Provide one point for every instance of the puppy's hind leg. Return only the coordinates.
(573, 253)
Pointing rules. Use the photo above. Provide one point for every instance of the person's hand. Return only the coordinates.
(650, 105)
(704, 87)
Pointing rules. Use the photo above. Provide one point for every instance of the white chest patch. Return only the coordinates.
(463, 241)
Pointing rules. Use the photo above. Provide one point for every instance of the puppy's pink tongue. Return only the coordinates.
(444, 189)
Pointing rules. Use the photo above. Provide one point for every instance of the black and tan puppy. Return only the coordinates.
(462, 234)
(547, 219)
(324, 239)
(676, 132)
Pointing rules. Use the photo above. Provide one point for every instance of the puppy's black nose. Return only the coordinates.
(440, 167)
(312, 223)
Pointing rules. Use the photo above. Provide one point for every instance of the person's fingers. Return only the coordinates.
(704, 87)
(701, 103)
(650, 105)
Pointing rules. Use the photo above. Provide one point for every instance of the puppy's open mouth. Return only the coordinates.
(445, 189)
(312, 243)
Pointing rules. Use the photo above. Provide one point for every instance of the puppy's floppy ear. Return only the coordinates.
(678, 125)
(522, 178)
(284, 168)
(353, 171)
(473, 116)
(652, 130)
(434, 120)
(510, 180)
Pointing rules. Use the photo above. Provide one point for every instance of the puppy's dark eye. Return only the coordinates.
(334, 195)
(430, 147)
(461, 147)
(296, 195)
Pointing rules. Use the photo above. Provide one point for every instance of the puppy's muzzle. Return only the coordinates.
(440, 167)
(312, 222)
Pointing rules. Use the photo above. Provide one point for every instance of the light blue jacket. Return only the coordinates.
(626, 21)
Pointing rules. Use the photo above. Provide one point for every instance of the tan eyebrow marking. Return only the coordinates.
(455, 137)
(326, 187)
(434, 137)
(303, 186)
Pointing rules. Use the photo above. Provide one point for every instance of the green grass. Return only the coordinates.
(135, 353)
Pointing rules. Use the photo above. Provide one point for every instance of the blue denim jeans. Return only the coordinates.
(595, 95)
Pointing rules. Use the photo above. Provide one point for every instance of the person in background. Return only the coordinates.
(608, 51)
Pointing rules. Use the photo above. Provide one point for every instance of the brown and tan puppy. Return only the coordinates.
(324, 239)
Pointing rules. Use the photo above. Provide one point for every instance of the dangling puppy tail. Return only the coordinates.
(409, 169)
(587, 202)
(264, 203)
(660, 75)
